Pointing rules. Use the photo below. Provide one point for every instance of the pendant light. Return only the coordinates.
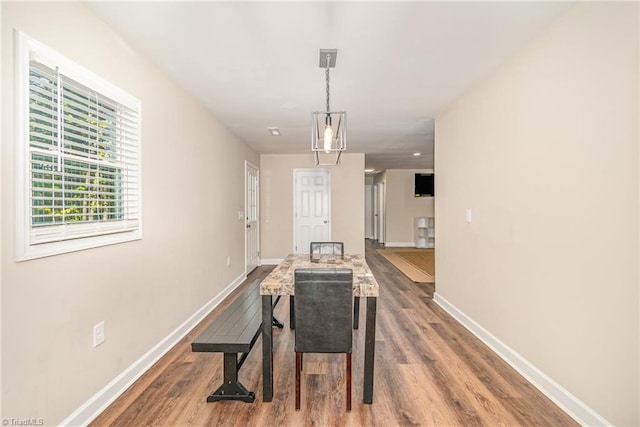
(328, 128)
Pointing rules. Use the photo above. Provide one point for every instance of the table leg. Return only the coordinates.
(369, 349)
(292, 312)
(356, 312)
(267, 349)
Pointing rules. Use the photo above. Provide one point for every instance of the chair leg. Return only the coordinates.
(348, 381)
(298, 367)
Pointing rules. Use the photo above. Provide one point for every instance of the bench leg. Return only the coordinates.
(276, 322)
(231, 388)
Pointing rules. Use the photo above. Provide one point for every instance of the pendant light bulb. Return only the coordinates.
(328, 138)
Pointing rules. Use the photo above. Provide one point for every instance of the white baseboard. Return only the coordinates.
(89, 410)
(569, 403)
(271, 261)
(400, 244)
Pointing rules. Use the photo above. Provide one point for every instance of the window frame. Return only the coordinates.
(26, 248)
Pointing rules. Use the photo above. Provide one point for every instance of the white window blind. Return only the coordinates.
(82, 154)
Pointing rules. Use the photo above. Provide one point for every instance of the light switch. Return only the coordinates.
(240, 215)
(468, 215)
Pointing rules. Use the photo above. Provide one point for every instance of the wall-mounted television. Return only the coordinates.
(424, 185)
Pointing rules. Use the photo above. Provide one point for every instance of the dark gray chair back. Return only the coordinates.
(323, 298)
(334, 249)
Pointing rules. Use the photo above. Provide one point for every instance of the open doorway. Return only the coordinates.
(402, 221)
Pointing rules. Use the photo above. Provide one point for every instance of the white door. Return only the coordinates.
(381, 217)
(252, 236)
(376, 214)
(368, 213)
(311, 208)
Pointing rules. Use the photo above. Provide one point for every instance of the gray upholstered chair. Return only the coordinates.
(334, 250)
(323, 317)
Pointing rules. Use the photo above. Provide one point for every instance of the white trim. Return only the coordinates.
(21, 136)
(400, 244)
(73, 70)
(271, 261)
(89, 410)
(574, 407)
(26, 252)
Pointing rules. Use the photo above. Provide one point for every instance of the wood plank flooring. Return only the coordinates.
(429, 371)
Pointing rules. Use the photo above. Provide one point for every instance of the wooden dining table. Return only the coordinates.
(280, 282)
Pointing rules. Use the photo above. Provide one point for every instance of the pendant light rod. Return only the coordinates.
(326, 73)
(327, 61)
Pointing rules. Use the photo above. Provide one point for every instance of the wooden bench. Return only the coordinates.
(234, 331)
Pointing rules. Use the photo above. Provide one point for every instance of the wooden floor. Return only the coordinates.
(429, 371)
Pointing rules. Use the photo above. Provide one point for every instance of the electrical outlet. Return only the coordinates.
(228, 261)
(98, 334)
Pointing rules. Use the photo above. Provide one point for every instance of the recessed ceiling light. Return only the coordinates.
(274, 131)
(417, 154)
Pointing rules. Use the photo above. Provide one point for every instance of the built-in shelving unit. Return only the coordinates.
(425, 228)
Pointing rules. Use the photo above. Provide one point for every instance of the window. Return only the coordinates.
(78, 156)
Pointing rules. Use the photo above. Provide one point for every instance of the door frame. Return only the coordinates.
(297, 171)
(381, 214)
(376, 214)
(248, 164)
(368, 211)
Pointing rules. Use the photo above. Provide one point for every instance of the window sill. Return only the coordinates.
(29, 252)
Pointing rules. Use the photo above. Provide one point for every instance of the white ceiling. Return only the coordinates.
(256, 64)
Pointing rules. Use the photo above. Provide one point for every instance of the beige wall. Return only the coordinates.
(545, 154)
(1, 233)
(276, 199)
(402, 207)
(193, 188)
